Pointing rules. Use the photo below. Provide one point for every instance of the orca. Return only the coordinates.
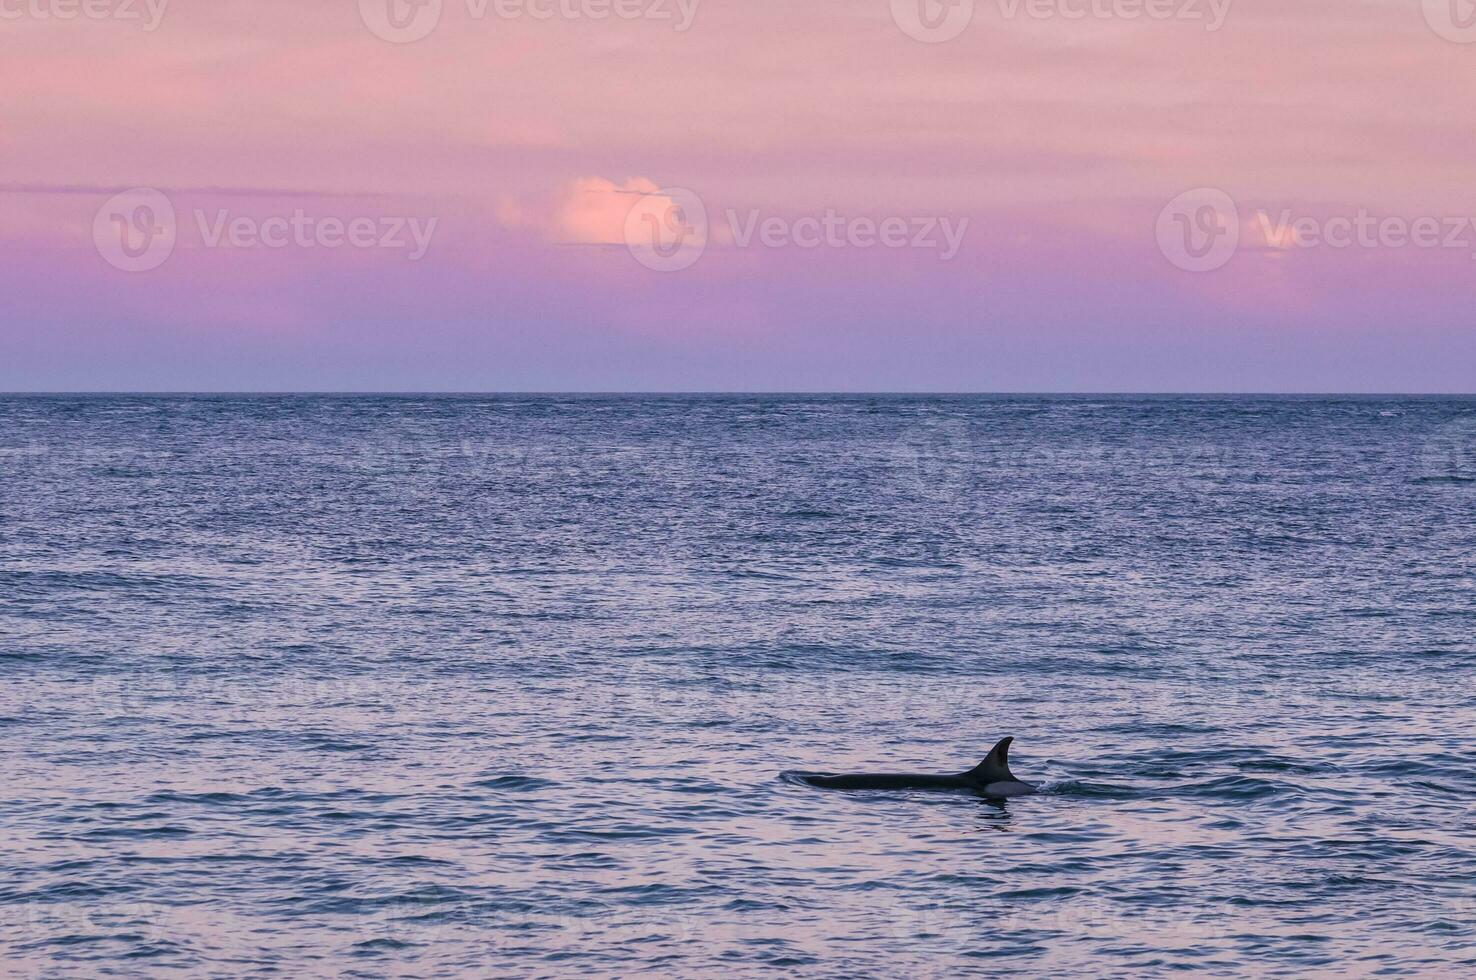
(992, 777)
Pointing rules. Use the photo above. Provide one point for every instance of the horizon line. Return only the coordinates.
(737, 392)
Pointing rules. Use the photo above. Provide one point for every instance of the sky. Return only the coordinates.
(738, 195)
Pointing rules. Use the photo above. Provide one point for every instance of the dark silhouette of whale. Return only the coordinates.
(992, 777)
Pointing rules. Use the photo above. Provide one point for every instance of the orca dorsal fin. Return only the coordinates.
(996, 765)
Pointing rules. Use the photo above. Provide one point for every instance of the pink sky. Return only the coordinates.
(1053, 145)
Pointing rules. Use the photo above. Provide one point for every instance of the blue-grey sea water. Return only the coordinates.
(504, 686)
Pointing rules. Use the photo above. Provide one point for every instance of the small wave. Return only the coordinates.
(73, 891)
(333, 745)
(755, 905)
(1029, 894)
(517, 784)
(796, 777)
(167, 832)
(199, 798)
(372, 946)
(1157, 729)
(1273, 764)
(1241, 788)
(21, 656)
(629, 832)
(1080, 787)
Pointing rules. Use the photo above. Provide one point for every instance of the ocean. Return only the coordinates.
(417, 686)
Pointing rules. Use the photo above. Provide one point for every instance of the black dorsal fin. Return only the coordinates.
(996, 765)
